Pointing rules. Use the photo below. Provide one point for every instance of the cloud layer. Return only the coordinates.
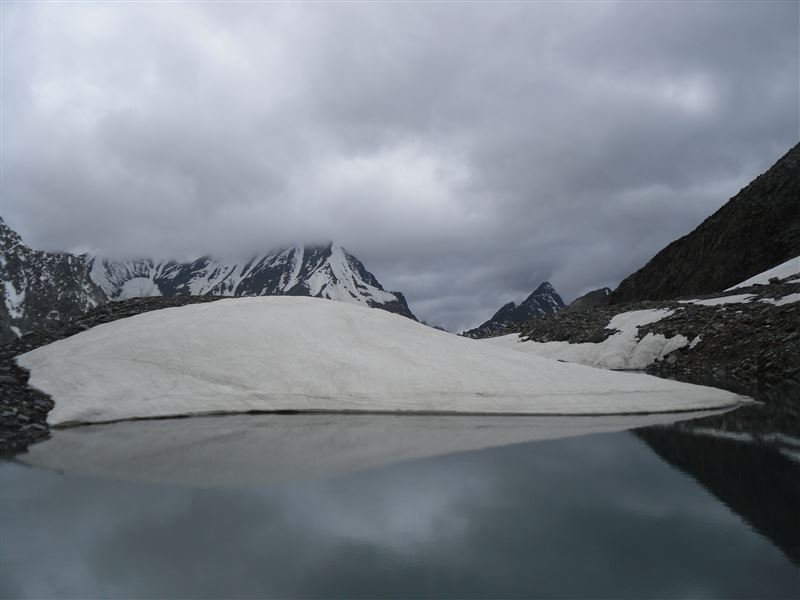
(464, 152)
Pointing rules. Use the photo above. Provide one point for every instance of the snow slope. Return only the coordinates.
(248, 449)
(783, 270)
(290, 353)
(619, 351)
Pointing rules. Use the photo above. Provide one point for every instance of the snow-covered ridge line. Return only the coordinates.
(302, 354)
(319, 271)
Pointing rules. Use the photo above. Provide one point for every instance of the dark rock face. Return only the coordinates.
(756, 230)
(543, 301)
(591, 299)
(40, 288)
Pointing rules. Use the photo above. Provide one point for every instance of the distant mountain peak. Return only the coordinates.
(40, 288)
(323, 270)
(544, 300)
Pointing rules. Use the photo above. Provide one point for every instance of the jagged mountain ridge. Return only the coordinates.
(754, 231)
(40, 287)
(327, 271)
(543, 301)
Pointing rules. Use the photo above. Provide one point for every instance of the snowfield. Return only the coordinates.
(620, 351)
(783, 270)
(304, 354)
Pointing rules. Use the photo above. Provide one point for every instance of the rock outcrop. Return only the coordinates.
(755, 230)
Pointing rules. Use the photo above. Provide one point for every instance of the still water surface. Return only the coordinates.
(280, 506)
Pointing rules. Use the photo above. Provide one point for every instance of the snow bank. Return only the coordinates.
(788, 299)
(619, 351)
(290, 353)
(736, 299)
(787, 269)
(250, 449)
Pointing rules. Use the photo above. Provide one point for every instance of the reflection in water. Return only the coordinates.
(590, 516)
(268, 448)
(749, 459)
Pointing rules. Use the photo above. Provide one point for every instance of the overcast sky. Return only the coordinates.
(464, 151)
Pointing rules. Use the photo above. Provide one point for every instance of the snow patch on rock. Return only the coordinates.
(619, 351)
(736, 299)
(783, 270)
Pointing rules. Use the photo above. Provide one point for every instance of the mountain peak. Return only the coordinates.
(544, 300)
(544, 288)
(323, 270)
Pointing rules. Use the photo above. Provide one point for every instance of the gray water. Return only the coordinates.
(706, 508)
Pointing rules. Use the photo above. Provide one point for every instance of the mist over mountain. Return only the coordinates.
(42, 288)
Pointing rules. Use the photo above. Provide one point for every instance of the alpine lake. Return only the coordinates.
(705, 505)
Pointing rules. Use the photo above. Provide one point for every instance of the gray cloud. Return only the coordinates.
(464, 152)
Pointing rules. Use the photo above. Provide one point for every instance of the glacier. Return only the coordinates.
(281, 353)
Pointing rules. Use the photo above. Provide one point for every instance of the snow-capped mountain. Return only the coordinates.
(543, 301)
(327, 271)
(40, 288)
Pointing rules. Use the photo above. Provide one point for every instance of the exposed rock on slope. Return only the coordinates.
(591, 299)
(543, 301)
(327, 271)
(749, 335)
(40, 288)
(757, 229)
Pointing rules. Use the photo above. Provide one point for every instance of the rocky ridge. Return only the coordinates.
(755, 230)
(591, 299)
(749, 343)
(40, 288)
(543, 301)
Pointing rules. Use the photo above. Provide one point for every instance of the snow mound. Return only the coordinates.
(304, 354)
(783, 270)
(248, 449)
(619, 351)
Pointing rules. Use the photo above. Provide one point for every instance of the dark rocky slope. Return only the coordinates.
(757, 229)
(543, 301)
(591, 299)
(745, 343)
(40, 288)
